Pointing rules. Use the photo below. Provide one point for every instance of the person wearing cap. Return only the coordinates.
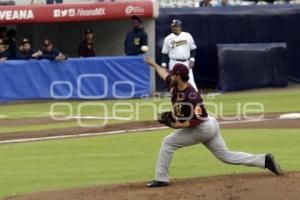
(194, 126)
(49, 52)
(86, 47)
(25, 51)
(179, 47)
(4, 52)
(135, 38)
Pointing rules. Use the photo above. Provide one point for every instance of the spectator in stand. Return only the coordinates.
(205, 3)
(54, 1)
(49, 52)
(261, 2)
(282, 2)
(7, 3)
(4, 53)
(86, 47)
(25, 51)
(224, 3)
(135, 38)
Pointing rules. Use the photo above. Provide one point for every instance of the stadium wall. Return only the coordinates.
(76, 78)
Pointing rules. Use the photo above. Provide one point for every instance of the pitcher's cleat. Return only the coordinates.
(272, 165)
(155, 183)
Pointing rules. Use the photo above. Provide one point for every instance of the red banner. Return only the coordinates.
(74, 12)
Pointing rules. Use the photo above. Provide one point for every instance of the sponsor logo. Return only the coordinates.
(79, 12)
(132, 10)
(93, 12)
(16, 14)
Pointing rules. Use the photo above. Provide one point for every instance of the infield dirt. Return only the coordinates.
(256, 186)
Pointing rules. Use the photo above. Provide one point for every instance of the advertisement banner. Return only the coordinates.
(123, 77)
(74, 12)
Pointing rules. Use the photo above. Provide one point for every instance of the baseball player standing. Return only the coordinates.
(194, 126)
(135, 38)
(179, 47)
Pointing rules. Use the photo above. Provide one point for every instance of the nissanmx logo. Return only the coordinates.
(72, 12)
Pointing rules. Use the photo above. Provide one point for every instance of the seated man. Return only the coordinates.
(49, 52)
(86, 47)
(4, 53)
(10, 40)
(25, 51)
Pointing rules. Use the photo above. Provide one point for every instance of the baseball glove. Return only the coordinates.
(166, 118)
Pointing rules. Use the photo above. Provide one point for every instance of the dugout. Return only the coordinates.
(109, 35)
(65, 24)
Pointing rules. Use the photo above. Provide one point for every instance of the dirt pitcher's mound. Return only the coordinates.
(263, 186)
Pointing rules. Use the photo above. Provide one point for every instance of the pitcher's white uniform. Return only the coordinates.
(178, 48)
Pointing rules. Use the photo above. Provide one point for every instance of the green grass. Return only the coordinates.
(39, 166)
(144, 110)
(273, 100)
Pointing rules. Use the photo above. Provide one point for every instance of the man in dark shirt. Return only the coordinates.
(3, 32)
(4, 52)
(86, 47)
(11, 42)
(194, 126)
(25, 52)
(135, 38)
(49, 52)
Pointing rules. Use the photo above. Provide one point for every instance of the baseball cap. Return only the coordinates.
(88, 30)
(25, 41)
(180, 69)
(47, 43)
(176, 23)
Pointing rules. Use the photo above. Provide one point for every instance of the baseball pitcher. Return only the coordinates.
(179, 47)
(194, 126)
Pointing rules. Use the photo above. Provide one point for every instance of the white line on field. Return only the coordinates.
(109, 132)
(31, 114)
(244, 121)
(94, 117)
(80, 135)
